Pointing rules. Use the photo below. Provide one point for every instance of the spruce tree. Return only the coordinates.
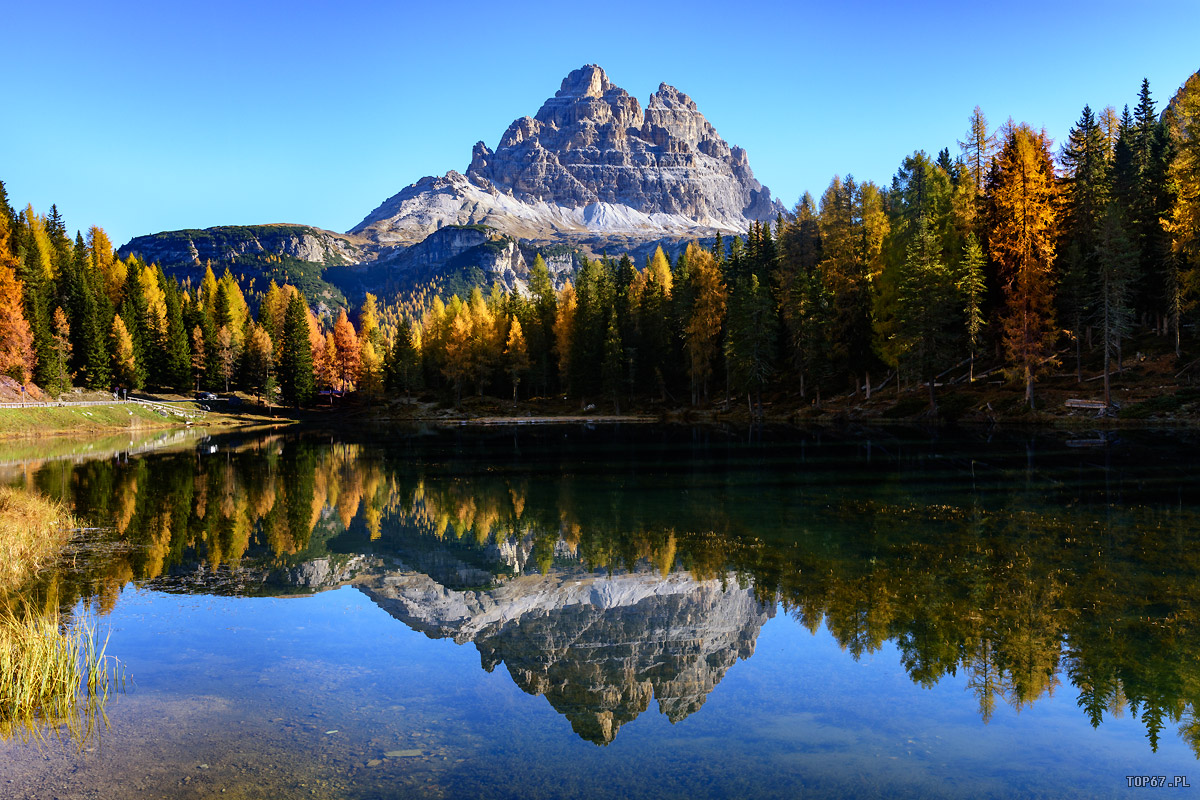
(927, 308)
(296, 361)
(1116, 262)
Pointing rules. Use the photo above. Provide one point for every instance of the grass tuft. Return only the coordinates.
(54, 680)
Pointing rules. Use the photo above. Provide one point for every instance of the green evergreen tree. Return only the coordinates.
(178, 353)
(613, 368)
(90, 320)
(972, 288)
(538, 325)
(1116, 265)
(404, 372)
(296, 379)
(750, 343)
(927, 309)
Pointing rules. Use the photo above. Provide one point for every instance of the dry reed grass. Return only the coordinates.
(33, 529)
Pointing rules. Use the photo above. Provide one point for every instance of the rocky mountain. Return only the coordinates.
(591, 172)
(599, 647)
(591, 168)
(1191, 85)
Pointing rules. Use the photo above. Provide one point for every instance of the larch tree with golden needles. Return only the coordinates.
(564, 332)
(1183, 224)
(124, 364)
(1021, 198)
(16, 339)
(516, 355)
(702, 334)
(346, 350)
(62, 351)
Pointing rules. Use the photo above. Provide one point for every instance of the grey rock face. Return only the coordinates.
(590, 161)
(222, 244)
(599, 648)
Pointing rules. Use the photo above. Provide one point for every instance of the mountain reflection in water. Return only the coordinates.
(607, 569)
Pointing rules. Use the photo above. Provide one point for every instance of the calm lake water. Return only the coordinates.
(631, 612)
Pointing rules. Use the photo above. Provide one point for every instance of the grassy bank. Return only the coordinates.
(33, 529)
(74, 420)
(42, 420)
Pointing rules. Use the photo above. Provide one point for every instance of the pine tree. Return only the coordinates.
(564, 333)
(199, 361)
(404, 368)
(178, 355)
(750, 342)
(971, 288)
(296, 361)
(540, 334)
(612, 367)
(91, 321)
(259, 360)
(1085, 193)
(978, 149)
(926, 308)
(1116, 262)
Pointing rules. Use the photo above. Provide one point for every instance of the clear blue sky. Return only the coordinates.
(142, 117)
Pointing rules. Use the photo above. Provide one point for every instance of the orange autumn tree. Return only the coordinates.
(346, 350)
(16, 339)
(1022, 198)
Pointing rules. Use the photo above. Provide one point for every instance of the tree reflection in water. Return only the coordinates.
(1023, 564)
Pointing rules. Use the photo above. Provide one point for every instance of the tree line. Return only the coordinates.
(1006, 251)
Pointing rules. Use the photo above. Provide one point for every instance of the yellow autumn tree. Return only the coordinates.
(346, 351)
(564, 330)
(458, 350)
(124, 364)
(1022, 194)
(370, 369)
(105, 262)
(156, 303)
(702, 334)
(516, 355)
(43, 251)
(1183, 120)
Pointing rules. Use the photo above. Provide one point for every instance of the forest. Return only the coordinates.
(1006, 254)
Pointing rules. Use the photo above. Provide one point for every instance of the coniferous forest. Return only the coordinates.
(1005, 254)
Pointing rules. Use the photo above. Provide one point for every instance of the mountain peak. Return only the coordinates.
(591, 162)
(587, 81)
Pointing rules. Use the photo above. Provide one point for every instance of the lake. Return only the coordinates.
(631, 612)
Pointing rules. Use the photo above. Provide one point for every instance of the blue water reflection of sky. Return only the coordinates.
(799, 716)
